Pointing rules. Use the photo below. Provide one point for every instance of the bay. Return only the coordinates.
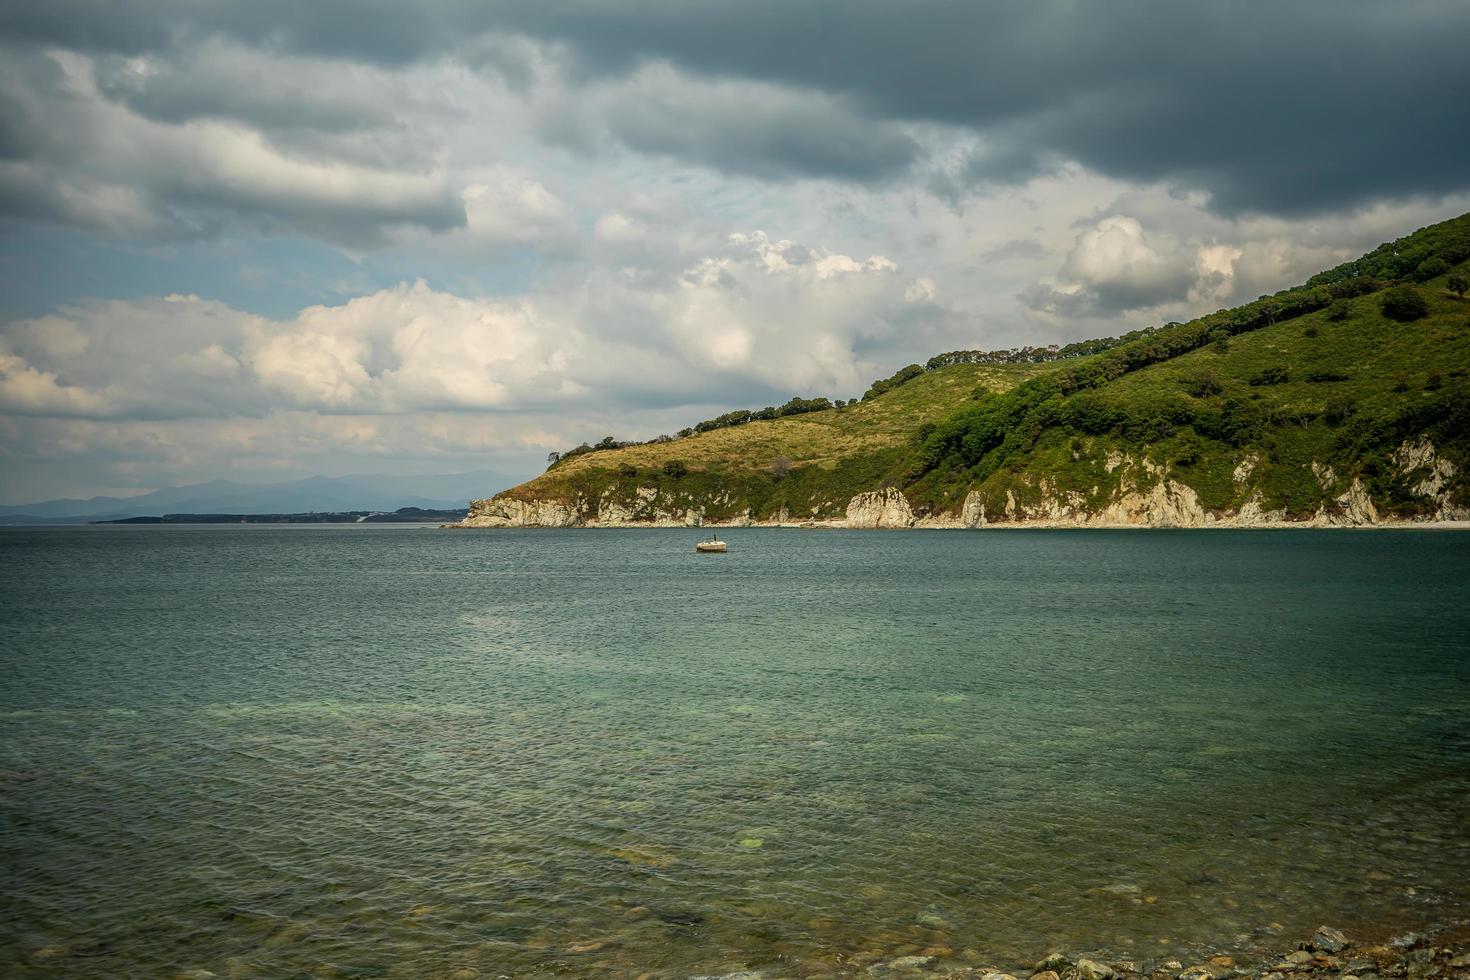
(267, 751)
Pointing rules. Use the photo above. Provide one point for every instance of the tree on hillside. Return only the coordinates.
(1458, 284)
(1403, 303)
(1431, 267)
(903, 375)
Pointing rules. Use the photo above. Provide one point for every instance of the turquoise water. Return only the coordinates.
(402, 752)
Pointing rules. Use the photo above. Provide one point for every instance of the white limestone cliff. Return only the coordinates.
(879, 508)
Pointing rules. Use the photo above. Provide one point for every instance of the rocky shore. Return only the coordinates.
(1144, 494)
(1327, 954)
(1167, 505)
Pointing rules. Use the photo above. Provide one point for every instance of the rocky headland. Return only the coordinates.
(1343, 402)
(1142, 494)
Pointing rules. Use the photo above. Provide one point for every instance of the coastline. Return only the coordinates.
(1225, 524)
(1328, 954)
(1146, 495)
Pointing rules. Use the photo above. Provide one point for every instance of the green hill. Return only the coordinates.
(1344, 400)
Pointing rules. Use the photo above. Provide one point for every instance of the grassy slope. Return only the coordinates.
(834, 454)
(1357, 387)
(1391, 380)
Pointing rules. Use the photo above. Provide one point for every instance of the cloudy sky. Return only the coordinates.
(265, 239)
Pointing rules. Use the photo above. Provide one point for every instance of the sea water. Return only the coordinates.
(407, 752)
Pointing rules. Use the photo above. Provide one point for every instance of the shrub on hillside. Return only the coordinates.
(1339, 311)
(1339, 410)
(1458, 284)
(1404, 304)
(1188, 451)
(1270, 376)
(1204, 386)
(675, 468)
(1242, 423)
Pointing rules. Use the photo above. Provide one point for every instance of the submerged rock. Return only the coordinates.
(1294, 960)
(901, 964)
(934, 917)
(1054, 962)
(1328, 940)
(1093, 970)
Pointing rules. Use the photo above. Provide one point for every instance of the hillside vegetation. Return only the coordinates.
(805, 464)
(1348, 395)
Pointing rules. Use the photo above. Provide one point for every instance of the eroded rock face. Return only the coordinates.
(972, 514)
(1435, 476)
(1354, 508)
(880, 508)
(1253, 513)
(509, 512)
(1243, 469)
(643, 509)
(1166, 504)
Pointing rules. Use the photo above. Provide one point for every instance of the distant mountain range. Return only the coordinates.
(363, 492)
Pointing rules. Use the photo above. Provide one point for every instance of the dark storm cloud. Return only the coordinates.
(739, 127)
(76, 158)
(220, 84)
(379, 31)
(1283, 108)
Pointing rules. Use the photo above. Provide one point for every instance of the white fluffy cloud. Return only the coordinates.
(759, 316)
(181, 384)
(406, 349)
(1122, 263)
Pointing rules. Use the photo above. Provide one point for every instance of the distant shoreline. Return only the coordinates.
(404, 515)
(1224, 525)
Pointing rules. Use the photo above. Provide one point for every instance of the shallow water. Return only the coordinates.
(401, 752)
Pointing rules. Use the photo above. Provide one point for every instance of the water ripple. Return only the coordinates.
(351, 752)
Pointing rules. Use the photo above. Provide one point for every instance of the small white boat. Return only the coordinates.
(714, 545)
